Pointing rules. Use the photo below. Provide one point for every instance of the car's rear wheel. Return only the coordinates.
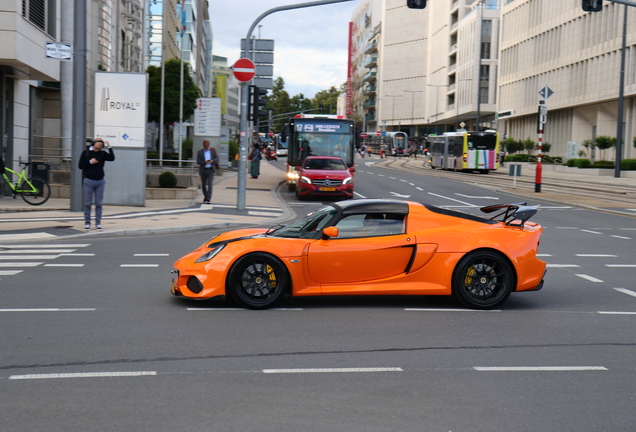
(483, 280)
(258, 281)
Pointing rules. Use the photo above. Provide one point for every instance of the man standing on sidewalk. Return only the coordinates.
(208, 161)
(92, 165)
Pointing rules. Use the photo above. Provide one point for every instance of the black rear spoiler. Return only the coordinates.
(520, 212)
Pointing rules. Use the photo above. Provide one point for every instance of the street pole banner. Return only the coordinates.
(120, 108)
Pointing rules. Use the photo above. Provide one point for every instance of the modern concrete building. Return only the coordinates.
(364, 63)
(25, 27)
(578, 56)
(437, 67)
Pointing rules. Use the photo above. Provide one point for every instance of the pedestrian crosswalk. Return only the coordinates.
(15, 258)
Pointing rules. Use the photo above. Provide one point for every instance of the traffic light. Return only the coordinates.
(416, 4)
(592, 5)
(256, 102)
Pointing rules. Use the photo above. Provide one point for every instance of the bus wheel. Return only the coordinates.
(291, 187)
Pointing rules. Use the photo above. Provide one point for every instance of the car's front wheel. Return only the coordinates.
(258, 281)
(483, 280)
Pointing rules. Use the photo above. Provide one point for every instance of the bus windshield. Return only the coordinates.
(320, 137)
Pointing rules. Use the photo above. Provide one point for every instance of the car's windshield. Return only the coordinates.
(307, 226)
(324, 164)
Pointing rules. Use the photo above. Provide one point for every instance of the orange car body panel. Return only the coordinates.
(420, 262)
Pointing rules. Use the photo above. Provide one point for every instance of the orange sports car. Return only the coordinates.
(371, 247)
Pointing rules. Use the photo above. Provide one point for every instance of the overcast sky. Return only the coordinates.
(310, 43)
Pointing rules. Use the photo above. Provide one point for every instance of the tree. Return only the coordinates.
(512, 145)
(171, 92)
(278, 102)
(529, 145)
(326, 100)
(604, 142)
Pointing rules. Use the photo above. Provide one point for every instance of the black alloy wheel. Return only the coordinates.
(258, 281)
(483, 280)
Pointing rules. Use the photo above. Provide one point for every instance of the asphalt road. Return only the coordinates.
(95, 341)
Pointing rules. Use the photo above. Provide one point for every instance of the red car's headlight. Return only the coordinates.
(347, 180)
(210, 254)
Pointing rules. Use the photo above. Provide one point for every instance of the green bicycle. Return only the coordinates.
(34, 190)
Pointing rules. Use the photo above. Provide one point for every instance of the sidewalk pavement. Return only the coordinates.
(52, 220)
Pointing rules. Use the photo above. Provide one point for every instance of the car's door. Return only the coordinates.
(361, 254)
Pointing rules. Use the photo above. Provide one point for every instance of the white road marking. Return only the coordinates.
(567, 228)
(591, 232)
(626, 291)
(616, 313)
(20, 264)
(49, 310)
(448, 310)
(590, 278)
(621, 237)
(29, 236)
(47, 246)
(139, 265)
(78, 254)
(392, 178)
(10, 272)
(359, 195)
(333, 370)
(403, 181)
(36, 251)
(452, 199)
(240, 309)
(544, 255)
(539, 368)
(395, 194)
(63, 265)
(621, 265)
(380, 175)
(151, 254)
(83, 375)
(478, 197)
(562, 265)
(419, 188)
(28, 257)
(596, 255)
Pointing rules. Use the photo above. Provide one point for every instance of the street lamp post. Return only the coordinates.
(436, 100)
(393, 96)
(413, 107)
(457, 103)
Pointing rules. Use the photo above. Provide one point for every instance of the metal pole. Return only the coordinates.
(621, 100)
(180, 143)
(481, 25)
(413, 108)
(163, 81)
(539, 170)
(242, 164)
(79, 102)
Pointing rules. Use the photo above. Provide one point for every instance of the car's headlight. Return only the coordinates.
(305, 180)
(347, 180)
(210, 254)
(292, 176)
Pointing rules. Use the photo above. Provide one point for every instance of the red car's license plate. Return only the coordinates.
(328, 189)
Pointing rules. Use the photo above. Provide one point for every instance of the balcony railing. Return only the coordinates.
(370, 76)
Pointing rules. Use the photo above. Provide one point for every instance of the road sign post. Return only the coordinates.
(545, 93)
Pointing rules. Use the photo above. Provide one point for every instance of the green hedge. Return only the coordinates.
(517, 158)
(628, 165)
(579, 163)
(167, 180)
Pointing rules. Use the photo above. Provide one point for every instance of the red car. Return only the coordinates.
(324, 176)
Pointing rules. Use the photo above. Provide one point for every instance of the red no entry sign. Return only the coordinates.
(244, 70)
(363, 135)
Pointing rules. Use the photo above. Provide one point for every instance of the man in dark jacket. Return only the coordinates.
(92, 165)
(208, 162)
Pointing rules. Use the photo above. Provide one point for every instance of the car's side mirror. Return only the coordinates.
(352, 169)
(329, 232)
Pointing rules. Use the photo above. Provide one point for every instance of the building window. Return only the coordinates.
(485, 50)
(40, 13)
